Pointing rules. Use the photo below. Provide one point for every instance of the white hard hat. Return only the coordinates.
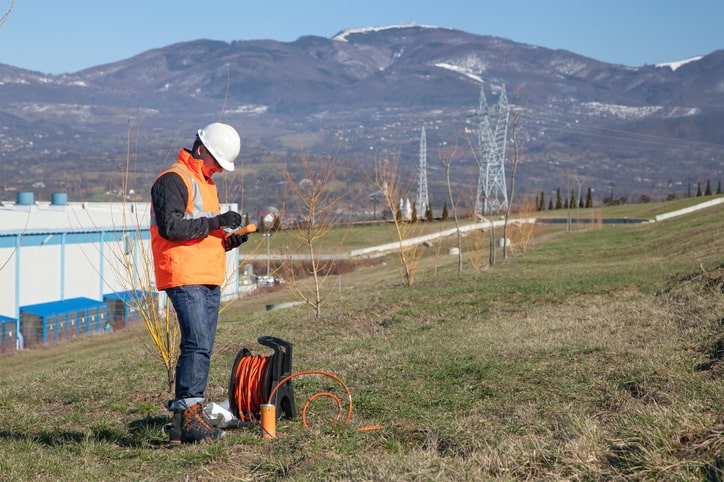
(223, 142)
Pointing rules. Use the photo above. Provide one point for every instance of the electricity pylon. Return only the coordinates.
(492, 195)
(422, 201)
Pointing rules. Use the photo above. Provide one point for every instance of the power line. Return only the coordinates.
(609, 133)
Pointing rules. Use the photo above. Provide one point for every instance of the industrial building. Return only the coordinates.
(72, 268)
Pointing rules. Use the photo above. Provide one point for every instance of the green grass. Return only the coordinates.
(348, 238)
(595, 354)
(633, 211)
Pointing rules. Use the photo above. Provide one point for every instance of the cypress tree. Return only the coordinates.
(559, 201)
(589, 198)
(444, 212)
(428, 214)
(707, 191)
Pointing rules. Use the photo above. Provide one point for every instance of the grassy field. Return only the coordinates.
(594, 354)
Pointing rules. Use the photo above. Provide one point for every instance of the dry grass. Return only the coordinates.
(595, 355)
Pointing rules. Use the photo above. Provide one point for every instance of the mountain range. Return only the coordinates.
(361, 97)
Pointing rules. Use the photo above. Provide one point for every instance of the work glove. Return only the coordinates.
(234, 241)
(229, 219)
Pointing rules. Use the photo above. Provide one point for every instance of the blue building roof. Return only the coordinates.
(63, 306)
(126, 296)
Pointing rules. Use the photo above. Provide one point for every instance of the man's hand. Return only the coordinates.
(229, 219)
(234, 241)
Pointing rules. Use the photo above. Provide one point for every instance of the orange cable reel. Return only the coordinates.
(246, 394)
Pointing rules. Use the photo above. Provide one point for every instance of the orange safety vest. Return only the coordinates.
(196, 261)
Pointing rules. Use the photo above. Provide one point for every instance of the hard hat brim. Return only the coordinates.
(226, 165)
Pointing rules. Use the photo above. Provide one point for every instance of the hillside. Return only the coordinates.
(362, 97)
(592, 354)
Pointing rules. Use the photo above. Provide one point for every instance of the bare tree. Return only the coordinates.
(388, 183)
(578, 179)
(522, 231)
(515, 125)
(315, 202)
(132, 268)
(446, 161)
(7, 13)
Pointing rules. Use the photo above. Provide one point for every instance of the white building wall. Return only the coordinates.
(40, 275)
(7, 282)
(123, 269)
(82, 271)
(80, 250)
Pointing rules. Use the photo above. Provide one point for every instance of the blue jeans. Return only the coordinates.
(197, 309)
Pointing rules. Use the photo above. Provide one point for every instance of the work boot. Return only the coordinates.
(191, 426)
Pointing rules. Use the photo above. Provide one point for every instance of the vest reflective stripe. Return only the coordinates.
(196, 261)
(197, 201)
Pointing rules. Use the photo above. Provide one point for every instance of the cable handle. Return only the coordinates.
(248, 229)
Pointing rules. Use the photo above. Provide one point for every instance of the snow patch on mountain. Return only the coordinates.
(676, 65)
(460, 70)
(342, 36)
(471, 65)
(32, 79)
(249, 109)
(625, 112)
(631, 113)
(13, 80)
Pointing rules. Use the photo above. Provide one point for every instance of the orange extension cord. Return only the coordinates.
(247, 393)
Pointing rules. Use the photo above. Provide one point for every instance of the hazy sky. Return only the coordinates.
(61, 36)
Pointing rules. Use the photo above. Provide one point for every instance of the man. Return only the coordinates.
(189, 244)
